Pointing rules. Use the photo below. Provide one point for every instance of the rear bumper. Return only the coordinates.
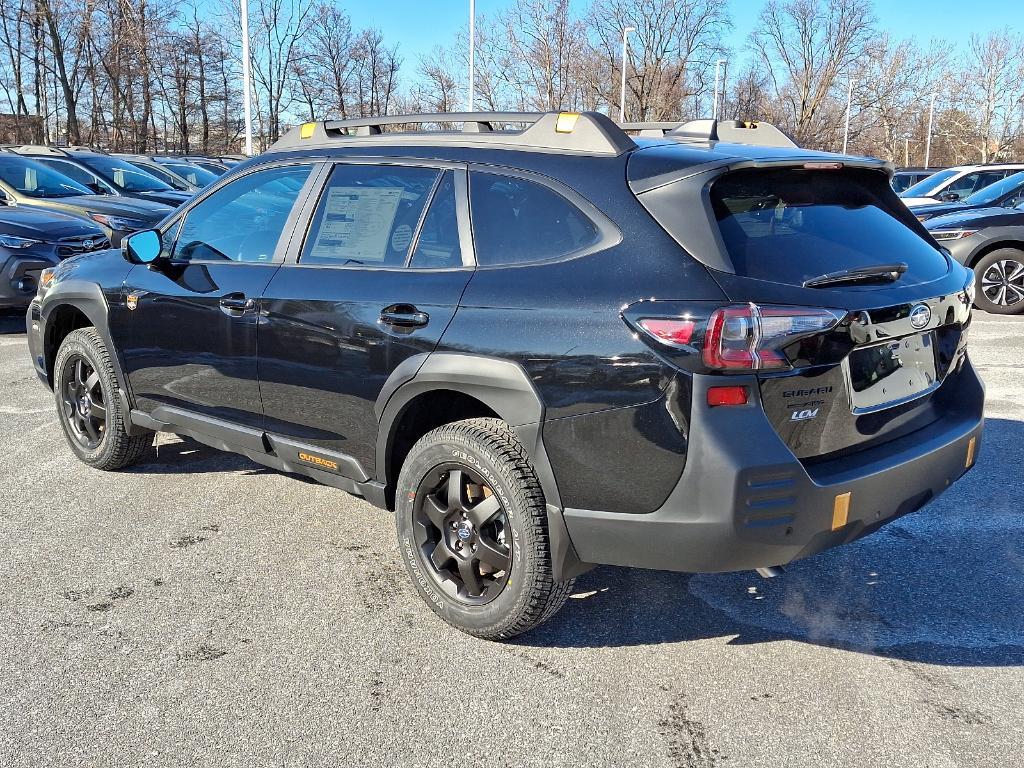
(744, 501)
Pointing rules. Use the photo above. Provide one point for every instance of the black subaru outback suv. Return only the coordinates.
(702, 349)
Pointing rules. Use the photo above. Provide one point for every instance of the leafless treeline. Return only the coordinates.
(155, 74)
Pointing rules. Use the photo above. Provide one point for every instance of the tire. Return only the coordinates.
(89, 406)
(999, 282)
(498, 524)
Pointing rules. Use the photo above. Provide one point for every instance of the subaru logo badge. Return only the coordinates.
(87, 243)
(920, 316)
(465, 532)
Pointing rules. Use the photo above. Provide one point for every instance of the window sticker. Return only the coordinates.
(356, 223)
(401, 237)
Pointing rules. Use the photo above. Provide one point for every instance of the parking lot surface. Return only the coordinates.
(202, 610)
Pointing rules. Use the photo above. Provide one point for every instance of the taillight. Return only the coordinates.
(670, 330)
(752, 337)
(743, 337)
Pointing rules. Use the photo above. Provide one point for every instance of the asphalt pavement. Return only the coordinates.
(202, 610)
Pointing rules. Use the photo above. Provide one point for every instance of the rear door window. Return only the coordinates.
(791, 225)
(516, 221)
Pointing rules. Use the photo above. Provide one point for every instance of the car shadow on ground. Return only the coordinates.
(183, 455)
(944, 586)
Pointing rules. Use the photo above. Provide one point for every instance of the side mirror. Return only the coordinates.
(950, 197)
(141, 247)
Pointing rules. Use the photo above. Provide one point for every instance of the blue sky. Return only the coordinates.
(418, 25)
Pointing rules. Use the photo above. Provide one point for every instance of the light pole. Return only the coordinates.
(622, 87)
(849, 108)
(928, 139)
(246, 76)
(906, 151)
(718, 67)
(472, 55)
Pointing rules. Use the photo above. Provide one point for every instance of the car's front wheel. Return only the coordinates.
(472, 528)
(999, 282)
(90, 411)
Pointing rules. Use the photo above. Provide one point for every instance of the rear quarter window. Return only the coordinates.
(790, 225)
(516, 221)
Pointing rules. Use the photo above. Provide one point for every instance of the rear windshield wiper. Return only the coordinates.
(887, 273)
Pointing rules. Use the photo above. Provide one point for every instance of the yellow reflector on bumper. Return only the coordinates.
(841, 510)
(566, 121)
(306, 131)
(970, 452)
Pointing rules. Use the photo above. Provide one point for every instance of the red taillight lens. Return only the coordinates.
(727, 396)
(670, 330)
(752, 337)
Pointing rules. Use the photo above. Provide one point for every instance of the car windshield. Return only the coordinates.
(193, 173)
(997, 191)
(927, 187)
(36, 180)
(125, 175)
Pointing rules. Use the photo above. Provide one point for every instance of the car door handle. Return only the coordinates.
(404, 316)
(235, 304)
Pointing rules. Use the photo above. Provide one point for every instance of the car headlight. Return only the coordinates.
(118, 222)
(10, 241)
(46, 278)
(952, 234)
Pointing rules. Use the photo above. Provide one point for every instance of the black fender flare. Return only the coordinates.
(87, 298)
(505, 388)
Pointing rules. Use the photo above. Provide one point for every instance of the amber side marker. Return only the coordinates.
(970, 452)
(841, 510)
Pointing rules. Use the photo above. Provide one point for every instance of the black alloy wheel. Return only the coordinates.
(83, 402)
(462, 534)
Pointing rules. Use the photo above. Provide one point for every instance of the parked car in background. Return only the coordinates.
(27, 183)
(105, 174)
(957, 183)
(1007, 193)
(196, 175)
(905, 178)
(32, 240)
(217, 167)
(166, 175)
(990, 241)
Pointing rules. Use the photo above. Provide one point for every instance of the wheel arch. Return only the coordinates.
(995, 245)
(482, 386)
(77, 304)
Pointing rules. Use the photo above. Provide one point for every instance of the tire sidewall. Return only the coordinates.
(78, 344)
(980, 300)
(460, 448)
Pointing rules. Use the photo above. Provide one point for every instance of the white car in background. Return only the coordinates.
(954, 184)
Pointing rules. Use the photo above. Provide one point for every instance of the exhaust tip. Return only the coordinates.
(771, 571)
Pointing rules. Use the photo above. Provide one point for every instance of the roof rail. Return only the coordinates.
(586, 133)
(733, 131)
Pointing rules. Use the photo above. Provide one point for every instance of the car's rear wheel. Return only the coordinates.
(999, 282)
(89, 405)
(472, 529)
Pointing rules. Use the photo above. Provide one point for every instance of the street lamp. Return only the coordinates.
(472, 54)
(246, 78)
(849, 107)
(718, 67)
(928, 140)
(622, 87)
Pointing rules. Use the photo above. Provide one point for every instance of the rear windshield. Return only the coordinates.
(791, 225)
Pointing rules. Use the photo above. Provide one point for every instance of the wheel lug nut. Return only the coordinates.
(458, 545)
(454, 525)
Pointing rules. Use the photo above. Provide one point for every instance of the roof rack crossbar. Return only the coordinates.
(733, 131)
(589, 133)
